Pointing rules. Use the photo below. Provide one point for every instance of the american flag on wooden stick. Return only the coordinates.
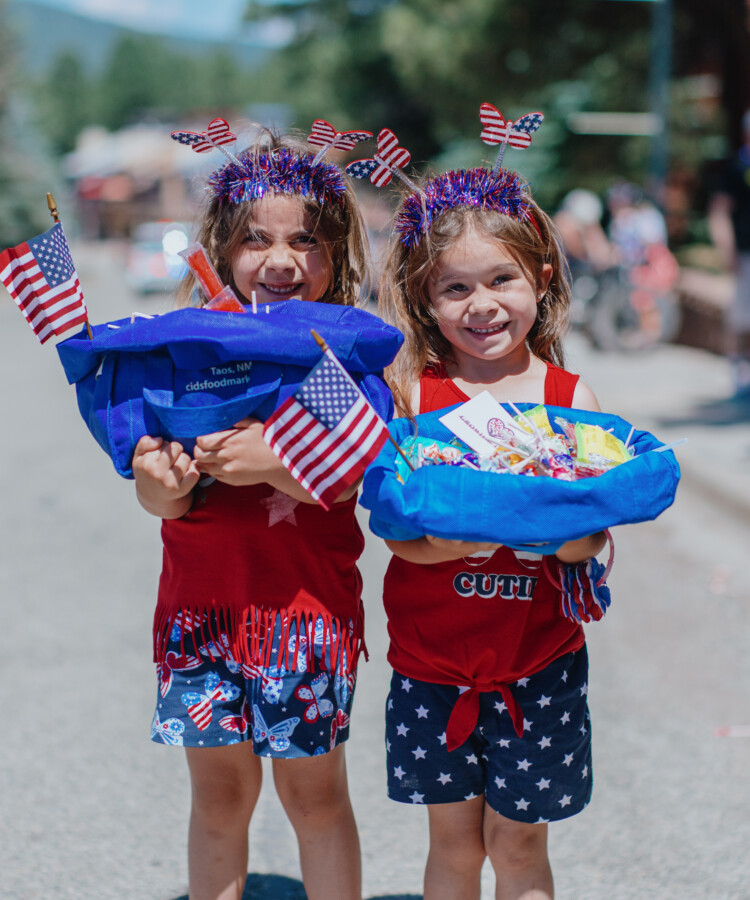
(41, 278)
(326, 433)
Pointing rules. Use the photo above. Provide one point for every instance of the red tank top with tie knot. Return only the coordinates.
(481, 622)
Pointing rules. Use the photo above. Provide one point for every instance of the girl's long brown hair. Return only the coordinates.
(404, 299)
(339, 230)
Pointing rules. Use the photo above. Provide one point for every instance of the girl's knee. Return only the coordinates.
(515, 846)
(316, 786)
(456, 836)
(224, 790)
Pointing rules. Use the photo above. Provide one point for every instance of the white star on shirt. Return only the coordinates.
(565, 718)
(419, 753)
(565, 800)
(398, 772)
(471, 796)
(543, 784)
(522, 804)
(584, 772)
(390, 703)
(442, 738)
(499, 782)
(523, 764)
(500, 706)
(280, 508)
(503, 742)
(544, 701)
(565, 677)
(444, 779)
(388, 746)
(527, 725)
(406, 685)
(401, 730)
(568, 759)
(545, 742)
(584, 690)
(421, 712)
(416, 798)
(472, 760)
(522, 682)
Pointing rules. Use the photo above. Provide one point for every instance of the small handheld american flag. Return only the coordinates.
(326, 433)
(40, 276)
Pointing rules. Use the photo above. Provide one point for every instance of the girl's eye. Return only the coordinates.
(305, 240)
(503, 279)
(456, 289)
(254, 240)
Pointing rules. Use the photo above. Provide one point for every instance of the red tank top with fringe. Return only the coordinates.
(245, 560)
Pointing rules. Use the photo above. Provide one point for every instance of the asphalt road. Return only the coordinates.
(90, 809)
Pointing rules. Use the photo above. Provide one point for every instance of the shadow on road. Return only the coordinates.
(726, 411)
(279, 887)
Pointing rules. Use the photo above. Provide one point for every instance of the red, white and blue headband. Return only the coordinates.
(251, 175)
(497, 189)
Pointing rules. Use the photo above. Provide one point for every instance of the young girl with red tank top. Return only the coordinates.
(487, 722)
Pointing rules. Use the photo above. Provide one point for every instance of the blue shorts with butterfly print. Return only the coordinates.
(213, 702)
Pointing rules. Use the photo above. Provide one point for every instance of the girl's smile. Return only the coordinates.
(484, 301)
(281, 257)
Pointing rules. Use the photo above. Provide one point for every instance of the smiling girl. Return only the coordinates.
(258, 624)
(476, 281)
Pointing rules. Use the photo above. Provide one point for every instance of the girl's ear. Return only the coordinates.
(545, 276)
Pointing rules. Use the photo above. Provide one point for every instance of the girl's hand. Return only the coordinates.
(240, 456)
(164, 477)
(237, 456)
(582, 548)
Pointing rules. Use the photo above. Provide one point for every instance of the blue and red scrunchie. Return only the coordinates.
(584, 595)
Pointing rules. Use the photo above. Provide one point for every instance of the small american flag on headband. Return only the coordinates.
(324, 135)
(41, 278)
(216, 135)
(326, 433)
(497, 131)
(384, 164)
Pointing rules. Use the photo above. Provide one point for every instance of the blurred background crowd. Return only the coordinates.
(644, 154)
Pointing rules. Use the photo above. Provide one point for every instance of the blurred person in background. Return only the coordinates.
(729, 223)
(579, 221)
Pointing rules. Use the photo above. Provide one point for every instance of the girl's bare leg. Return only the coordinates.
(225, 784)
(456, 855)
(518, 853)
(315, 795)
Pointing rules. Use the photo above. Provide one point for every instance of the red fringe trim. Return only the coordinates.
(240, 635)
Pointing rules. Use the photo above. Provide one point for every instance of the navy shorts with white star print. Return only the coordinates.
(543, 776)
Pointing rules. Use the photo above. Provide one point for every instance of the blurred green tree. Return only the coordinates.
(64, 102)
(422, 67)
(23, 212)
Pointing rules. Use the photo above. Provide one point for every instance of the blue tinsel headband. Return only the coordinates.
(502, 191)
(253, 175)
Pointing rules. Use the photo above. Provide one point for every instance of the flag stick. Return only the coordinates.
(324, 348)
(52, 206)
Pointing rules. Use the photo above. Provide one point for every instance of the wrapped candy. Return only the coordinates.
(556, 501)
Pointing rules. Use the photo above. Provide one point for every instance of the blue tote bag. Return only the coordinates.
(192, 371)
(526, 513)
